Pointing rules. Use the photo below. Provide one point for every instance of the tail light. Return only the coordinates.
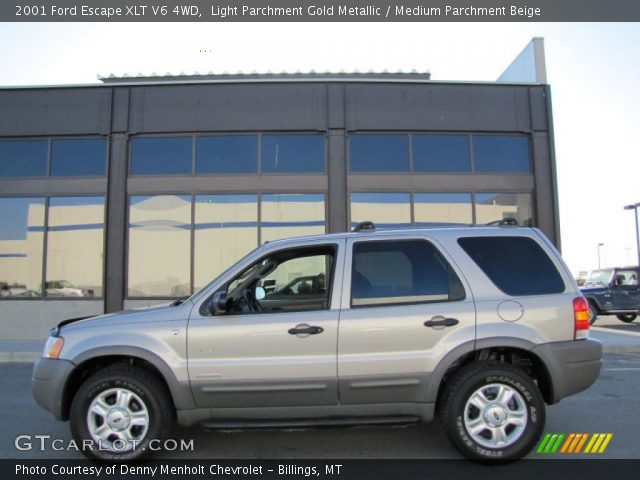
(581, 317)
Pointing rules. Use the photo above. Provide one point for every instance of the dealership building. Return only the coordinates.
(138, 190)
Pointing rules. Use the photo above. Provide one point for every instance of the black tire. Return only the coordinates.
(148, 395)
(455, 409)
(593, 313)
(627, 318)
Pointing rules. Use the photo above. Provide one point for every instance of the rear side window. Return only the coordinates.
(516, 265)
(401, 272)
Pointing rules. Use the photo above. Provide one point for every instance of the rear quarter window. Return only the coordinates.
(516, 265)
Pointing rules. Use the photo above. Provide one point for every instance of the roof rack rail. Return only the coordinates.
(509, 221)
(364, 227)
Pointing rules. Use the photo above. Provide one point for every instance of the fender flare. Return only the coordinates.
(180, 391)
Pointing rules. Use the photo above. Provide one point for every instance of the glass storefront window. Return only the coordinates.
(226, 229)
(293, 154)
(161, 156)
(75, 247)
(379, 153)
(442, 208)
(21, 243)
(159, 246)
(441, 153)
(79, 157)
(492, 207)
(23, 158)
(227, 154)
(292, 215)
(501, 154)
(386, 210)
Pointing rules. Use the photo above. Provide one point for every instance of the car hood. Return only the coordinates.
(155, 313)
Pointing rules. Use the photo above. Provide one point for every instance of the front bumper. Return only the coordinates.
(573, 366)
(48, 383)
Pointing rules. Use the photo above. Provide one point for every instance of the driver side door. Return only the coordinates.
(280, 351)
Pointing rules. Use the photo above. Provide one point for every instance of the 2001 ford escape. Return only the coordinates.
(479, 326)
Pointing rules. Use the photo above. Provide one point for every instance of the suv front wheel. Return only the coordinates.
(118, 411)
(492, 411)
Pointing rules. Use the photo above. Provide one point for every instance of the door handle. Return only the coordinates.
(304, 329)
(441, 322)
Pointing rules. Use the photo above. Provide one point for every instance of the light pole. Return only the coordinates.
(599, 245)
(634, 207)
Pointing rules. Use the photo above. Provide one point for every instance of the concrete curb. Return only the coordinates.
(19, 357)
(621, 349)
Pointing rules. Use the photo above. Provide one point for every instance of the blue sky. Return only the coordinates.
(593, 69)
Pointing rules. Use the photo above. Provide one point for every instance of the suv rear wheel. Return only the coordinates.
(118, 411)
(492, 411)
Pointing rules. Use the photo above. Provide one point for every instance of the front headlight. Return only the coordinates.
(53, 347)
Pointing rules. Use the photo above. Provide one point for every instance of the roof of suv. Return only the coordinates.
(474, 230)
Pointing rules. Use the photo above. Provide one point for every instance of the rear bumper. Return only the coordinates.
(573, 366)
(48, 384)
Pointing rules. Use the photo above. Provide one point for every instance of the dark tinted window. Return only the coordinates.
(79, 157)
(379, 153)
(516, 265)
(227, 154)
(501, 153)
(399, 272)
(293, 154)
(441, 153)
(23, 158)
(161, 156)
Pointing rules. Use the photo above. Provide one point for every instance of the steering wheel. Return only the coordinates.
(250, 301)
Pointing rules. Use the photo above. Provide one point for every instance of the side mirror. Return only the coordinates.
(260, 293)
(218, 304)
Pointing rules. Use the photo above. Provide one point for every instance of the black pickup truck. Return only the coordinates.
(613, 291)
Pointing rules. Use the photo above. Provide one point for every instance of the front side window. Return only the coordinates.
(285, 281)
(401, 272)
(626, 278)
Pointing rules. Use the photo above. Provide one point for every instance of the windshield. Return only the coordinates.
(599, 277)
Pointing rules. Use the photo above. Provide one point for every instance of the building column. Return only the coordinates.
(115, 268)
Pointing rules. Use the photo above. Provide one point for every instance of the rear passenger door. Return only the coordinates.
(404, 306)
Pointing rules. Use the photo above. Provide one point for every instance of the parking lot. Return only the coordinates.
(609, 406)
